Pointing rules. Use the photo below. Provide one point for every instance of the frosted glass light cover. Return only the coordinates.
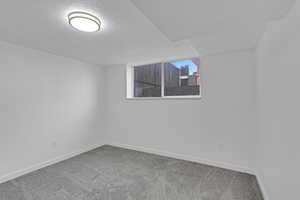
(84, 21)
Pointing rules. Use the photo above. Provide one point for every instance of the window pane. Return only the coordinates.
(182, 77)
(147, 80)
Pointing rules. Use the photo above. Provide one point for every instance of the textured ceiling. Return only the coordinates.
(138, 30)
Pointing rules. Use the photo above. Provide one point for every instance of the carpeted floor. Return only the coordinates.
(110, 173)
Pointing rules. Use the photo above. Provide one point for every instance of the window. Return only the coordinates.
(164, 80)
(147, 80)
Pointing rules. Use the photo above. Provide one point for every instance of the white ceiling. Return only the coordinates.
(138, 30)
(213, 25)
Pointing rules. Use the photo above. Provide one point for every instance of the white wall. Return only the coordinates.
(219, 127)
(50, 106)
(279, 109)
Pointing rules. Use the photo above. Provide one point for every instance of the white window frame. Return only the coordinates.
(130, 82)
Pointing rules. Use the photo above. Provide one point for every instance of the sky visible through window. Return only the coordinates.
(189, 62)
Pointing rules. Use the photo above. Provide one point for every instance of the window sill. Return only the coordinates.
(166, 98)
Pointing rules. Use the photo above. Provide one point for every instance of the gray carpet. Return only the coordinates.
(110, 173)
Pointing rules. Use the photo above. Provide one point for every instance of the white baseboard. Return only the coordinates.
(38, 166)
(262, 187)
(30, 169)
(187, 158)
(199, 160)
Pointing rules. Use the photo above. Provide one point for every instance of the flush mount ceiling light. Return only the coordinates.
(83, 21)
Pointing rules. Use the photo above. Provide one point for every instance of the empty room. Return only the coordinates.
(149, 99)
